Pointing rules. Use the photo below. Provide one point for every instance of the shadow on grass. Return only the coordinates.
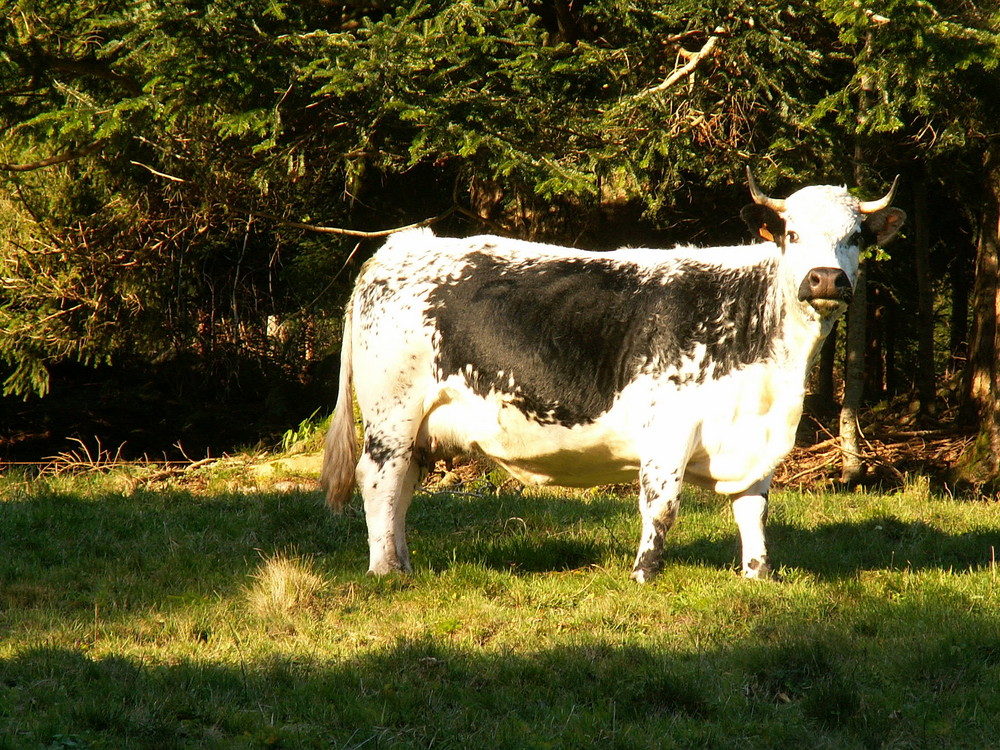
(843, 549)
(819, 690)
(550, 536)
(150, 546)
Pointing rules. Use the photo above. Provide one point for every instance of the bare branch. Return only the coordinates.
(354, 232)
(687, 68)
(164, 175)
(76, 153)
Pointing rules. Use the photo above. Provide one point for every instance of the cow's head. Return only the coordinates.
(820, 231)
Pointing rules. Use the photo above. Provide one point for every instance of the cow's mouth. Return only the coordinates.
(829, 307)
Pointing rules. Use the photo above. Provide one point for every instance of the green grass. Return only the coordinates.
(235, 616)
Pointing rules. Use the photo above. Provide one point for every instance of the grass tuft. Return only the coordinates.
(284, 585)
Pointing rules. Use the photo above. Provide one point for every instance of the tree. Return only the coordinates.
(983, 371)
(161, 158)
(926, 66)
(132, 142)
(162, 163)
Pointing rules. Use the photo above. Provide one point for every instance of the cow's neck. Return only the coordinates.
(804, 333)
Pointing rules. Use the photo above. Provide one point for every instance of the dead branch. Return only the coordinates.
(903, 435)
(76, 153)
(164, 175)
(891, 455)
(821, 446)
(685, 69)
(353, 232)
(178, 469)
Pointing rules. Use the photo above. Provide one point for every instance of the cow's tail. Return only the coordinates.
(340, 448)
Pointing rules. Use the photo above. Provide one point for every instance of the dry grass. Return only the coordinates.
(284, 585)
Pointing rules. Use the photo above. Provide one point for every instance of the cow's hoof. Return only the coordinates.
(642, 576)
(384, 570)
(757, 570)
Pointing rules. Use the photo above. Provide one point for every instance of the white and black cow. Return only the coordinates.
(581, 368)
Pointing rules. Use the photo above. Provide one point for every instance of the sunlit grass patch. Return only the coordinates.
(284, 585)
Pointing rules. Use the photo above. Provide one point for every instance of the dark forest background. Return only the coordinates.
(188, 187)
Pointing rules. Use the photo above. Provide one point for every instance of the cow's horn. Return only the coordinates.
(870, 207)
(775, 204)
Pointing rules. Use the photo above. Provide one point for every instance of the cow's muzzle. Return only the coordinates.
(829, 284)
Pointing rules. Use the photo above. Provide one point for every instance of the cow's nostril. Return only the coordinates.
(825, 283)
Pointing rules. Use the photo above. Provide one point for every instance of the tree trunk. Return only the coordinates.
(824, 377)
(925, 299)
(851, 468)
(889, 342)
(958, 338)
(875, 346)
(982, 373)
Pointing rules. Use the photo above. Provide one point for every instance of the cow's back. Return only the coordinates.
(560, 331)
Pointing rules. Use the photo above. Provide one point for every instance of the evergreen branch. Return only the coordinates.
(91, 68)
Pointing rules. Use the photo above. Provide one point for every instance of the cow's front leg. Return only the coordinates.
(750, 512)
(659, 499)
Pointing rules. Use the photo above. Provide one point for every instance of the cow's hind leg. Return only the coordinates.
(659, 500)
(750, 512)
(387, 475)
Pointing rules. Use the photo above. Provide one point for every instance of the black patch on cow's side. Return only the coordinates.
(372, 294)
(573, 332)
(380, 449)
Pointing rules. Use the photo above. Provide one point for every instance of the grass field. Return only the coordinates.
(233, 612)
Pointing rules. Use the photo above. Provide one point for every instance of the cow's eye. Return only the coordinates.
(792, 236)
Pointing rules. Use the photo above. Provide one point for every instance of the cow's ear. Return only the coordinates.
(764, 222)
(882, 225)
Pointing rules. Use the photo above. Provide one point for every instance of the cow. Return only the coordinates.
(579, 368)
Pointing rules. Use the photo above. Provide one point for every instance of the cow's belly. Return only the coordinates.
(734, 432)
(533, 452)
(748, 428)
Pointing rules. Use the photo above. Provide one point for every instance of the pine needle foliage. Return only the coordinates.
(150, 150)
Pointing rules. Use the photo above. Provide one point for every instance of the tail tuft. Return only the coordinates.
(340, 457)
